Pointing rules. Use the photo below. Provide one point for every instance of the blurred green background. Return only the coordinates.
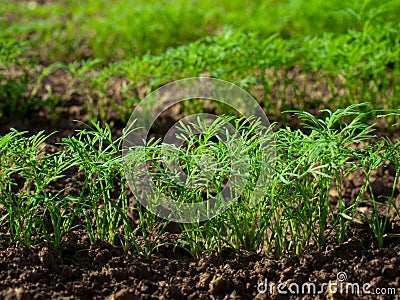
(304, 55)
(113, 30)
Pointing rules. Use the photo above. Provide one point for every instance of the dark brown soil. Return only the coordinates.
(79, 270)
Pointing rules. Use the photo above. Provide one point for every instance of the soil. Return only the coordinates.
(79, 270)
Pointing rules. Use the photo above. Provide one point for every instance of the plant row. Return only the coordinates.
(309, 73)
(47, 193)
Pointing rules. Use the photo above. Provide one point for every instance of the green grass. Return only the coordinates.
(72, 30)
(330, 66)
(307, 73)
(293, 214)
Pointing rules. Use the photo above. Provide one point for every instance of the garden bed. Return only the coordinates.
(85, 270)
(327, 221)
